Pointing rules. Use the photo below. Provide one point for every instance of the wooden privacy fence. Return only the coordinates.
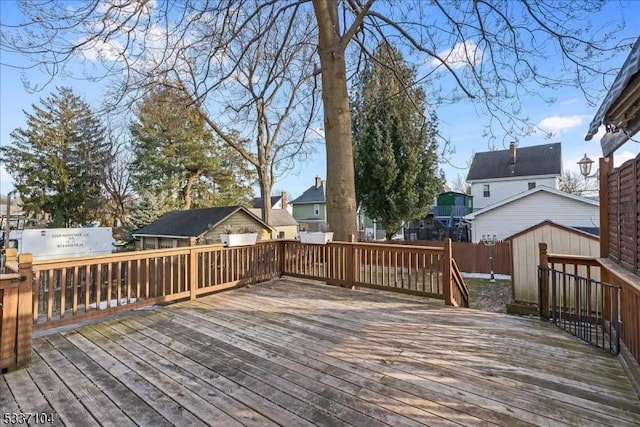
(474, 257)
(622, 194)
(52, 293)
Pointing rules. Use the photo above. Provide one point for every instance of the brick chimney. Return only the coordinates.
(512, 153)
(283, 200)
(318, 181)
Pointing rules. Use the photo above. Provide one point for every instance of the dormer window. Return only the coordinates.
(487, 190)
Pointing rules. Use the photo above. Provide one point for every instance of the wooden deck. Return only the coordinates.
(292, 353)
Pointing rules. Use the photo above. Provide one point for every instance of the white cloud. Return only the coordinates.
(570, 101)
(101, 51)
(557, 124)
(460, 55)
(623, 156)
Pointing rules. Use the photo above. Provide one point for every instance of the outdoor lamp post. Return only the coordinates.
(585, 166)
(490, 241)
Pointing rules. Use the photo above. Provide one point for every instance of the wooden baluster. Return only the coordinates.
(446, 273)
(25, 323)
(543, 284)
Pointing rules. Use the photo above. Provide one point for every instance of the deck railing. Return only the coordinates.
(68, 291)
(418, 270)
(611, 276)
(15, 319)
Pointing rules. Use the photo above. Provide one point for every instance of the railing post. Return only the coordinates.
(193, 268)
(25, 305)
(350, 266)
(281, 254)
(446, 273)
(543, 282)
(11, 256)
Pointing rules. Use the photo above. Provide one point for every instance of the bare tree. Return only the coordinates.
(491, 51)
(575, 183)
(118, 183)
(461, 185)
(268, 93)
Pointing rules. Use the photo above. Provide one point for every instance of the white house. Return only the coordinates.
(497, 175)
(531, 207)
(277, 202)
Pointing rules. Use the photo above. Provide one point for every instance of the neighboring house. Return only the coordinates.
(445, 219)
(175, 228)
(310, 208)
(497, 175)
(560, 240)
(285, 226)
(519, 212)
(277, 202)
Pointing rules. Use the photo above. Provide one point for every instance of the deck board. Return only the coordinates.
(289, 352)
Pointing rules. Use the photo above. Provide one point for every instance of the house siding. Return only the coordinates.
(305, 211)
(290, 231)
(238, 220)
(526, 256)
(523, 213)
(502, 189)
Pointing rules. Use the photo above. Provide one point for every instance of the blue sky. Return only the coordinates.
(568, 119)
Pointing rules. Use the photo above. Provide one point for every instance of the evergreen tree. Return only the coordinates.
(176, 155)
(59, 159)
(395, 152)
(148, 208)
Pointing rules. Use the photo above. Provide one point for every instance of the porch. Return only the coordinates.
(294, 352)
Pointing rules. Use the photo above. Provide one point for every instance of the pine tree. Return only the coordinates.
(176, 155)
(148, 208)
(58, 161)
(395, 151)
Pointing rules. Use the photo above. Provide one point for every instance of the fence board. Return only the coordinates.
(474, 257)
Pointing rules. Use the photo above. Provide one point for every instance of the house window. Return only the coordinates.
(532, 185)
(280, 235)
(421, 224)
(487, 190)
(316, 210)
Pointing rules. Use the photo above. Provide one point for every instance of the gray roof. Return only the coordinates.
(530, 161)
(257, 201)
(629, 69)
(190, 223)
(312, 195)
(279, 217)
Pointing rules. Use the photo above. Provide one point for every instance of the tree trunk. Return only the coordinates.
(265, 193)
(340, 192)
(187, 190)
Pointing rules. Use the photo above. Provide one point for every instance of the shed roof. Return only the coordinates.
(592, 234)
(193, 222)
(530, 161)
